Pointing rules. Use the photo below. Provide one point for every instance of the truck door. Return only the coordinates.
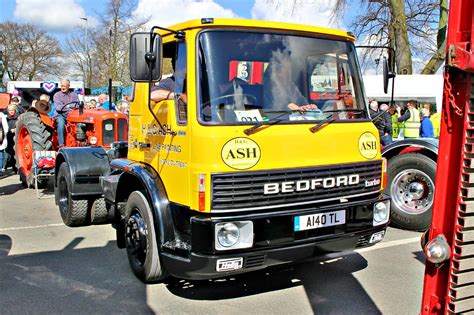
(168, 149)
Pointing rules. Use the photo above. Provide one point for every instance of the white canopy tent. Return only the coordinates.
(423, 88)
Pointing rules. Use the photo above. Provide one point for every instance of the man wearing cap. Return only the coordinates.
(64, 101)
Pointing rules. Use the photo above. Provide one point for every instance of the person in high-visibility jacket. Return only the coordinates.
(436, 120)
(395, 126)
(411, 118)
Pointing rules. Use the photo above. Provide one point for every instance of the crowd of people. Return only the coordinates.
(397, 122)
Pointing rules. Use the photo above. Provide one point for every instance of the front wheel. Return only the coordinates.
(140, 237)
(411, 184)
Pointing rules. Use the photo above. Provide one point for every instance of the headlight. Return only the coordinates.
(93, 140)
(228, 234)
(233, 235)
(381, 212)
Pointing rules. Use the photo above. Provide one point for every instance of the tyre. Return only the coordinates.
(30, 135)
(73, 212)
(99, 213)
(141, 240)
(410, 184)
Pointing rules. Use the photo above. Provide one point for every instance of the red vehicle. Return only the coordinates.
(448, 244)
(36, 131)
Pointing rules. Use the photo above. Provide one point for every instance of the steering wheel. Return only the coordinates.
(206, 107)
(231, 98)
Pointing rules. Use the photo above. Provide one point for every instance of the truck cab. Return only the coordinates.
(266, 154)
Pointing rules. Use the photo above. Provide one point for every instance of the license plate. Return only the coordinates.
(229, 264)
(315, 221)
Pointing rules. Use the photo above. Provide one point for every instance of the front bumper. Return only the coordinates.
(275, 242)
(200, 266)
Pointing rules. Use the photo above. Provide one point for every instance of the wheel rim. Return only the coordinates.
(63, 194)
(25, 151)
(136, 236)
(412, 191)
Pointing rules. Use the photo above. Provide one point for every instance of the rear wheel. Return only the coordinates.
(410, 184)
(99, 213)
(140, 238)
(30, 135)
(73, 212)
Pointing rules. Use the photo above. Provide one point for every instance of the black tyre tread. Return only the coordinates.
(398, 163)
(77, 210)
(41, 141)
(99, 211)
(153, 271)
(77, 213)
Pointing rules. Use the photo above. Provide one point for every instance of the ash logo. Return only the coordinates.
(368, 145)
(240, 153)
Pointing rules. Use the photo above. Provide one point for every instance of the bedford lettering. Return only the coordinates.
(304, 185)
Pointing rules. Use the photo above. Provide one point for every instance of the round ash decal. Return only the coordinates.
(240, 153)
(368, 146)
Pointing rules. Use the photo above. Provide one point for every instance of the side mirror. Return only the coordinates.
(387, 75)
(145, 57)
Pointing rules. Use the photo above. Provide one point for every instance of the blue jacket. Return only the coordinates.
(426, 128)
(106, 106)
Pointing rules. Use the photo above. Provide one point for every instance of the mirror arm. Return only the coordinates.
(392, 75)
(177, 34)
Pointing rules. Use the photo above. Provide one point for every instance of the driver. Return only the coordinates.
(280, 92)
(64, 101)
(165, 89)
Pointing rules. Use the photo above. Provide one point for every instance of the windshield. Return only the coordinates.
(256, 77)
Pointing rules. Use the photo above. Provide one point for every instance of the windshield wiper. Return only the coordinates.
(331, 118)
(259, 124)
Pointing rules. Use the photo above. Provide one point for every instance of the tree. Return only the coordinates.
(396, 23)
(438, 57)
(28, 52)
(107, 55)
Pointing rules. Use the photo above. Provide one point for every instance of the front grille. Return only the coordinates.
(108, 131)
(244, 190)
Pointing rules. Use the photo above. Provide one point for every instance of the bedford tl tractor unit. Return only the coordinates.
(262, 154)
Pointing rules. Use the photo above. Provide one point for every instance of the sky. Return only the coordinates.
(62, 16)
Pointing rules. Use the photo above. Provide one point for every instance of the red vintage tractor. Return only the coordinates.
(36, 131)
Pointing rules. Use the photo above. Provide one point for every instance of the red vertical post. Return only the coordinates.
(450, 156)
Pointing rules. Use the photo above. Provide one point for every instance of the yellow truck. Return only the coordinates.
(261, 154)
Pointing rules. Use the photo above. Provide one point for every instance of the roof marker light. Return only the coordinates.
(207, 21)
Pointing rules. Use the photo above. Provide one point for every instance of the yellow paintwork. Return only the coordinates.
(281, 146)
(257, 24)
